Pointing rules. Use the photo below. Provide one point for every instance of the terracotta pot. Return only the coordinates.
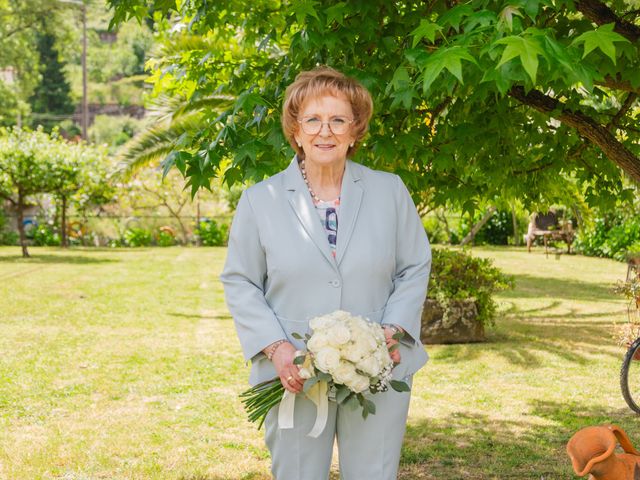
(592, 451)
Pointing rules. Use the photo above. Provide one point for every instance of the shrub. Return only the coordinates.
(138, 237)
(44, 236)
(457, 275)
(498, 229)
(165, 239)
(435, 230)
(612, 236)
(7, 236)
(212, 234)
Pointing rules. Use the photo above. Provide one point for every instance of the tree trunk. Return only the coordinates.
(20, 213)
(63, 223)
(185, 235)
(476, 228)
(516, 235)
(440, 215)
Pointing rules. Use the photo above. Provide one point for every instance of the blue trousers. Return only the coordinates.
(368, 449)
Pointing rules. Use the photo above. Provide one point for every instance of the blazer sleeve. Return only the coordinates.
(243, 277)
(413, 265)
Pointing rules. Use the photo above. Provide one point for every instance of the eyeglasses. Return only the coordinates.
(338, 125)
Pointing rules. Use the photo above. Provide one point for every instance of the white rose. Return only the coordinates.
(339, 334)
(344, 373)
(369, 365)
(379, 334)
(349, 352)
(382, 355)
(365, 344)
(322, 323)
(358, 384)
(317, 342)
(327, 359)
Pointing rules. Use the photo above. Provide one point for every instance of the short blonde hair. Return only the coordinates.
(326, 81)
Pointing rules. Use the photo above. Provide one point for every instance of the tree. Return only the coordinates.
(33, 163)
(474, 100)
(20, 25)
(52, 96)
(24, 171)
(77, 177)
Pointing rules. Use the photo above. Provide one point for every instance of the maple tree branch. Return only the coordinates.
(586, 126)
(617, 84)
(533, 170)
(628, 102)
(600, 14)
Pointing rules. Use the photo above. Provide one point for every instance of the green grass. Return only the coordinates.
(124, 364)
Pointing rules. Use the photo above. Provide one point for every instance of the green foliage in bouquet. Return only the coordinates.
(457, 275)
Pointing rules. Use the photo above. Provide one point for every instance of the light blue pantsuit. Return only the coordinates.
(369, 449)
(280, 273)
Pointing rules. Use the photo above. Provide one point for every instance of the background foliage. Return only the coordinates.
(533, 100)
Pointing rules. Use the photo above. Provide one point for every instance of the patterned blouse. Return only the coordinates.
(328, 213)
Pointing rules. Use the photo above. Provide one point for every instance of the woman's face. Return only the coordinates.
(326, 113)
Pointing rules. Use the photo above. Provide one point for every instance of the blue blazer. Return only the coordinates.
(280, 272)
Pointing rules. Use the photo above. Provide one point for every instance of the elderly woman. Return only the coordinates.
(322, 235)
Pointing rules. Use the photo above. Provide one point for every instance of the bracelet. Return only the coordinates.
(271, 349)
(391, 326)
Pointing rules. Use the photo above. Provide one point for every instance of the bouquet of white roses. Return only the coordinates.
(346, 356)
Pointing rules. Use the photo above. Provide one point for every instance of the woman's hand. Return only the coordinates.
(288, 372)
(388, 335)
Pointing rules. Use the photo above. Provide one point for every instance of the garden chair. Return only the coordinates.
(548, 226)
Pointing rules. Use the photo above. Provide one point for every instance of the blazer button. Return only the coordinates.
(334, 283)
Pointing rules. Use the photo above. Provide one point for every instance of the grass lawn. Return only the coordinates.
(124, 364)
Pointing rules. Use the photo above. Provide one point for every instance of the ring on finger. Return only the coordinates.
(289, 378)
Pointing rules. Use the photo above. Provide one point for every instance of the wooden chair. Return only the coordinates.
(548, 226)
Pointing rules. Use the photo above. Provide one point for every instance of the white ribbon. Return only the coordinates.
(318, 395)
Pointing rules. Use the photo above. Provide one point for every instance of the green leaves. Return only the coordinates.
(454, 16)
(526, 48)
(304, 9)
(445, 58)
(507, 14)
(399, 386)
(451, 129)
(336, 13)
(342, 393)
(426, 30)
(602, 38)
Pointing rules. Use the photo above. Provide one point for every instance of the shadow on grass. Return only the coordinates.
(52, 259)
(530, 286)
(526, 314)
(529, 344)
(198, 316)
(246, 476)
(470, 446)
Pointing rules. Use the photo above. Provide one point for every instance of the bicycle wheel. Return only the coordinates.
(630, 376)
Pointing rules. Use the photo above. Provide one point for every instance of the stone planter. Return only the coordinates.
(460, 326)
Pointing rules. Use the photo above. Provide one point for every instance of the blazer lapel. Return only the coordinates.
(350, 200)
(302, 205)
